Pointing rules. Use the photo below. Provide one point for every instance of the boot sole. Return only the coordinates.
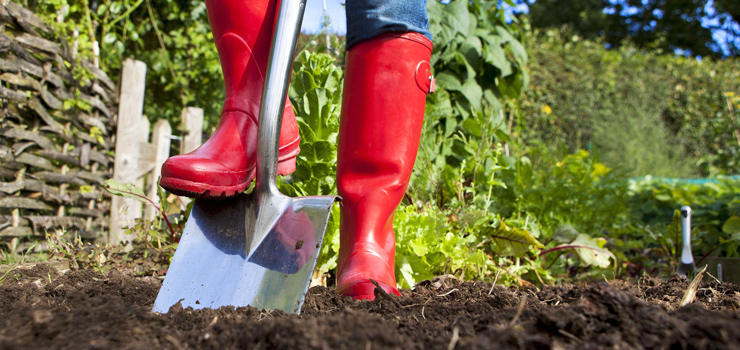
(363, 289)
(199, 190)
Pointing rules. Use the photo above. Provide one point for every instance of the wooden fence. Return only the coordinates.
(139, 159)
(56, 134)
(59, 134)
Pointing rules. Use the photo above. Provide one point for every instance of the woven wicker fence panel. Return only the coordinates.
(56, 135)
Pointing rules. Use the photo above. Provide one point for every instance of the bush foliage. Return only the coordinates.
(679, 114)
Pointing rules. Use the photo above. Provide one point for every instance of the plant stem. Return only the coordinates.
(567, 247)
(164, 215)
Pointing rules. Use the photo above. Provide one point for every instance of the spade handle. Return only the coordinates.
(686, 255)
(282, 51)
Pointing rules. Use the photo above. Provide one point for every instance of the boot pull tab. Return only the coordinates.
(424, 78)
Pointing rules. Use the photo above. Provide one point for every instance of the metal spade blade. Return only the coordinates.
(212, 267)
(260, 248)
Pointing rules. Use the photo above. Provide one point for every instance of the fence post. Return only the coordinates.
(128, 138)
(192, 123)
(144, 137)
(161, 139)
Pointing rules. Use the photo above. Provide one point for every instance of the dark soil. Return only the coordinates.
(86, 310)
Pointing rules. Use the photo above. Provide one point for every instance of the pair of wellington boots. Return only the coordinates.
(386, 82)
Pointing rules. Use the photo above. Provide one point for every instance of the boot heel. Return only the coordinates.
(286, 166)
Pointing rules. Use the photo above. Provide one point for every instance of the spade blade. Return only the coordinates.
(213, 267)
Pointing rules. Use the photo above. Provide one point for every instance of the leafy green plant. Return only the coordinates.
(316, 92)
(715, 207)
(478, 56)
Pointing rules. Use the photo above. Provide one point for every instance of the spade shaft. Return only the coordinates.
(275, 90)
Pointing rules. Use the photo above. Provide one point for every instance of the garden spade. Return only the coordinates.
(260, 248)
(686, 267)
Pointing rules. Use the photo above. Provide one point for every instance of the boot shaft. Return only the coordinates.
(242, 31)
(386, 82)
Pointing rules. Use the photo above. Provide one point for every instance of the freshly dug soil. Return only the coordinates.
(86, 310)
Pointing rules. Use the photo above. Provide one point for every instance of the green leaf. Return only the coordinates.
(407, 272)
(511, 241)
(304, 82)
(124, 190)
(457, 16)
(492, 99)
(448, 81)
(473, 127)
(591, 251)
(732, 225)
(473, 93)
(109, 38)
(318, 151)
(496, 55)
(502, 136)
(419, 246)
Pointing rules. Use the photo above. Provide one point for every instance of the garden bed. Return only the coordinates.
(41, 308)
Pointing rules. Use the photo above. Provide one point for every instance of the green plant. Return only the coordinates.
(665, 108)
(715, 211)
(172, 37)
(479, 58)
(11, 257)
(131, 191)
(316, 91)
(2, 278)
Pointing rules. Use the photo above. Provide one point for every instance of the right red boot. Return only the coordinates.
(386, 82)
(225, 164)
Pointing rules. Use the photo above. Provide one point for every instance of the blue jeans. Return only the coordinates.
(370, 18)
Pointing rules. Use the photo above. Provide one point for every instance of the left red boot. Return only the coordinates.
(224, 166)
(386, 82)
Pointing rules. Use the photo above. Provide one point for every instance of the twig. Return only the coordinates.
(494, 281)
(571, 336)
(455, 338)
(125, 14)
(448, 293)
(715, 278)
(522, 304)
(213, 322)
(380, 291)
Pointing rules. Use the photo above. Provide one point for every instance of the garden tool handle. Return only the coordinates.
(686, 255)
(279, 65)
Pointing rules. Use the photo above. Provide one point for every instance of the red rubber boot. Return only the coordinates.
(225, 164)
(386, 82)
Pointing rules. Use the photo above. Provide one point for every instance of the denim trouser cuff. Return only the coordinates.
(369, 18)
